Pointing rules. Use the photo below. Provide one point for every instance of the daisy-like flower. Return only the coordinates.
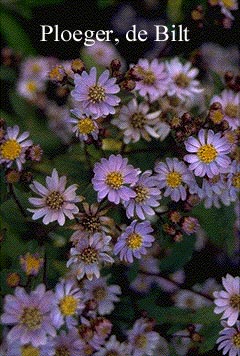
(154, 80)
(104, 295)
(190, 225)
(187, 299)
(13, 148)
(229, 340)
(35, 67)
(183, 84)
(228, 301)
(208, 153)
(84, 125)
(96, 96)
(231, 107)
(30, 313)
(141, 340)
(136, 122)
(89, 254)
(175, 177)
(16, 349)
(66, 344)
(114, 348)
(134, 241)
(31, 263)
(110, 179)
(69, 300)
(29, 88)
(55, 201)
(147, 197)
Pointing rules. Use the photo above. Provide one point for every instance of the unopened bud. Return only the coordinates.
(78, 66)
(58, 75)
(115, 65)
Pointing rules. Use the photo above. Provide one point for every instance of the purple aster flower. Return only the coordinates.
(55, 201)
(229, 340)
(190, 225)
(154, 80)
(230, 103)
(134, 241)
(114, 348)
(30, 313)
(96, 96)
(208, 153)
(13, 148)
(104, 295)
(84, 125)
(147, 197)
(68, 344)
(142, 341)
(16, 349)
(69, 300)
(175, 176)
(233, 180)
(110, 179)
(89, 254)
(228, 301)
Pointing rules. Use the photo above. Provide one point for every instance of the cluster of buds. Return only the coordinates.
(185, 126)
(197, 16)
(58, 75)
(10, 58)
(133, 75)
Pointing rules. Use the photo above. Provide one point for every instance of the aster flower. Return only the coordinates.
(104, 295)
(13, 148)
(208, 153)
(55, 201)
(175, 177)
(31, 263)
(142, 341)
(29, 88)
(110, 179)
(96, 96)
(190, 225)
(69, 301)
(136, 122)
(16, 349)
(66, 343)
(187, 299)
(233, 180)
(58, 120)
(231, 107)
(89, 254)
(229, 340)
(94, 332)
(228, 301)
(113, 347)
(35, 68)
(84, 125)
(30, 315)
(182, 341)
(154, 80)
(183, 84)
(147, 197)
(142, 283)
(134, 241)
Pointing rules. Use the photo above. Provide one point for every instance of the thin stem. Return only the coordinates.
(15, 198)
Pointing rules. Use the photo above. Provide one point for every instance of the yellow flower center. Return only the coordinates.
(32, 263)
(29, 351)
(10, 149)
(231, 110)
(217, 116)
(55, 200)
(31, 318)
(91, 223)
(174, 179)
(235, 301)
(36, 68)
(134, 241)
(89, 255)
(96, 93)
(236, 180)
(228, 3)
(31, 86)
(142, 193)
(62, 351)
(86, 126)
(114, 180)
(68, 305)
(207, 153)
(138, 120)
(148, 77)
(231, 137)
(182, 80)
(236, 340)
(141, 341)
(99, 293)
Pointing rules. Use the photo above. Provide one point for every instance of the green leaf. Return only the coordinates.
(35, 3)
(105, 3)
(15, 35)
(174, 10)
(7, 73)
